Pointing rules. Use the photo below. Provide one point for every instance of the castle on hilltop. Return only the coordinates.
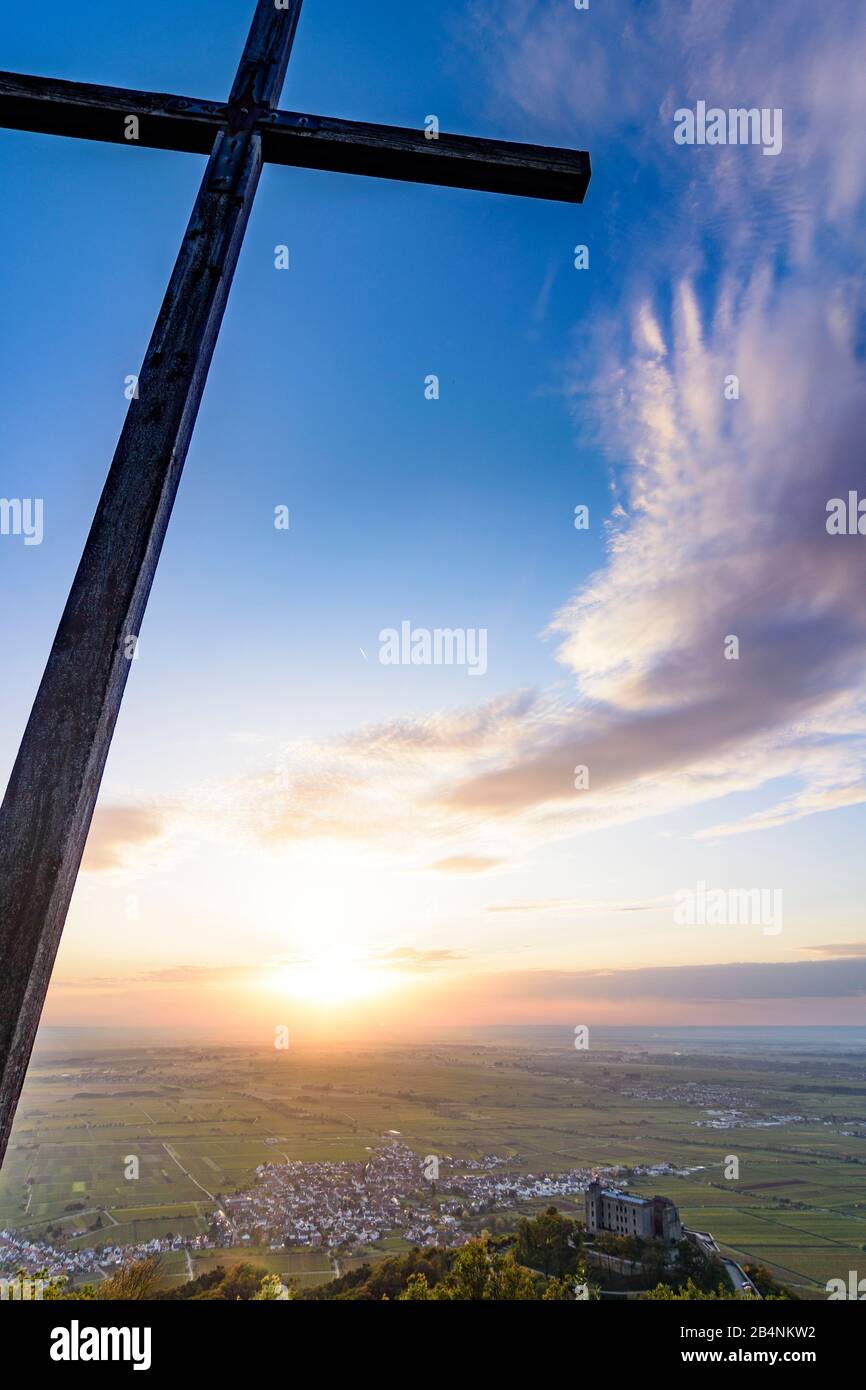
(623, 1214)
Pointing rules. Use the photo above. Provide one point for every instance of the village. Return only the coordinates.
(340, 1207)
(350, 1205)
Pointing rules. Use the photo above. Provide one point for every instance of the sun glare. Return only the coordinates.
(331, 980)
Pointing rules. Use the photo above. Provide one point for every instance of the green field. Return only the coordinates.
(197, 1124)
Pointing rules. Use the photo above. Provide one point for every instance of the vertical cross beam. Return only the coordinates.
(46, 813)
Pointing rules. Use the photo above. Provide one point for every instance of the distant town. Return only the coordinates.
(341, 1208)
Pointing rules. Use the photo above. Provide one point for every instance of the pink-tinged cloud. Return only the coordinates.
(717, 523)
(116, 830)
(466, 864)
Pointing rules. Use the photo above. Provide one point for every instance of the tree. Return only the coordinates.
(653, 1259)
(609, 1244)
(548, 1243)
(767, 1286)
(416, 1289)
(134, 1282)
(273, 1290)
(689, 1291)
(477, 1275)
(242, 1282)
(566, 1290)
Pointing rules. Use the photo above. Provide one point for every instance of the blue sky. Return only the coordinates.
(270, 775)
(316, 396)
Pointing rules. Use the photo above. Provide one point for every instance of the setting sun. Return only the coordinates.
(332, 979)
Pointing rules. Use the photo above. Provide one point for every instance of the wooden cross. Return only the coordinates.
(46, 813)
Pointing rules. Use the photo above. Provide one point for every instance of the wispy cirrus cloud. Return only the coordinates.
(718, 505)
(612, 78)
(718, 527)
(724, 534)
(721, 533)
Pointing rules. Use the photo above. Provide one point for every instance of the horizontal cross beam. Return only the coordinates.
(46, 812)
(55, 107)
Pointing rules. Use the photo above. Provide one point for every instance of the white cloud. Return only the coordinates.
(717, 526)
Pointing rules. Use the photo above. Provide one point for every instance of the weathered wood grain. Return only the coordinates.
(288, 137)
(47, 809)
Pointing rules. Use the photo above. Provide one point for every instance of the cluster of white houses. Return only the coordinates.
(350, 1204)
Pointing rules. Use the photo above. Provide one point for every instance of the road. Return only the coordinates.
(738, 1277)
(176, 1160)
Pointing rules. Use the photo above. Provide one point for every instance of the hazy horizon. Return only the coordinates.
(294, 832)
(51, 1038)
